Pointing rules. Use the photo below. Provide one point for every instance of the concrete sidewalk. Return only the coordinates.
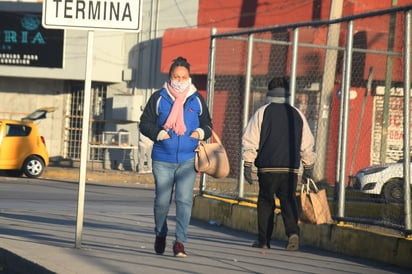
(241, 216)
(220, 235)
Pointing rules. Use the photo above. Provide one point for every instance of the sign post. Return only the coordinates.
(122, 15)
(85, 139)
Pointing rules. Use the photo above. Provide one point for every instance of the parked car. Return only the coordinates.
(384, 180)
(22, 148)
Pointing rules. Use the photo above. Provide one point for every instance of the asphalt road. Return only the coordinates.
(38, 223)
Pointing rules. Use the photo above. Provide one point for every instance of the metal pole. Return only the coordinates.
(388, 83)
(406, 117)
(328, 84)
(365, 97)
(345, 97)
(85, 139)
(292, 84)
(246, 107)
(210, 90)
(340, 133)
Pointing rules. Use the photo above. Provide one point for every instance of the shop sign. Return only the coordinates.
(24, 42)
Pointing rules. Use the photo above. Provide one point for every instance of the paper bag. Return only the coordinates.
(314, 205)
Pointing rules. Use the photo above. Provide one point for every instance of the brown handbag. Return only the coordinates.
(314, 205)
(211, 158)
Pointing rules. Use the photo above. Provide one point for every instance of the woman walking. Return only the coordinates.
(175, 119)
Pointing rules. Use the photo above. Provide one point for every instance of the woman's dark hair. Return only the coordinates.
(179, 62)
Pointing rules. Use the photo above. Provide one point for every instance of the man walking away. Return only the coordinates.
(277, 139)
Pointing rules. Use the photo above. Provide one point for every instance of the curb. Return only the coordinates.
(99, 176)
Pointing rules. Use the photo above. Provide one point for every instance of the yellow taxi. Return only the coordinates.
(22, 148)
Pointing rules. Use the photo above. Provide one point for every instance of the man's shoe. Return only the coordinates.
(179, 250)
(293, 243)
(258, 244)
(160, 245)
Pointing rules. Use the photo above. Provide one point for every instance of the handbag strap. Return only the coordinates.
(312, 182)
(215, 136)
(306, 187)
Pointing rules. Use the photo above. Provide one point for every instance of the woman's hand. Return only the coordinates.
(194, 134)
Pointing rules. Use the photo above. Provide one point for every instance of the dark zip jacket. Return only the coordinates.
(176, 149)
(277, 138)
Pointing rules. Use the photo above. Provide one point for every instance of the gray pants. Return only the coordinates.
(145, 155)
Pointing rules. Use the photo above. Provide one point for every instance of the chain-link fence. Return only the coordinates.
(355, 125)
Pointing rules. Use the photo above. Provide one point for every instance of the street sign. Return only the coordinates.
(123, 15)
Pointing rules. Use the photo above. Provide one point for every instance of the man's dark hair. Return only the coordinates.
(179, 62)
(278, 82)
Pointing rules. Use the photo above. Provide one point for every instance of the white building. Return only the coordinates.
(46, 68)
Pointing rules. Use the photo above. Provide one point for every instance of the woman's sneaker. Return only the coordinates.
(179, 250)
(160, 245)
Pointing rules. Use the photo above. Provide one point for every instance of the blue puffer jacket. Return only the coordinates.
(177, 149)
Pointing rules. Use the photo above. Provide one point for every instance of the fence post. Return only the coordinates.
(345, 97)
(340, 132)
(210, 89)
(293, 66)
(406, 117)
(388, 84)
(241, 185)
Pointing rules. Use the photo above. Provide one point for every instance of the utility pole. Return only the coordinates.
(328, 84)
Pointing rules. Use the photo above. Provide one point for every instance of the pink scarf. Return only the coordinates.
(176, 119)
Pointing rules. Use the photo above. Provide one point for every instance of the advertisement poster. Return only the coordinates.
(394, 141)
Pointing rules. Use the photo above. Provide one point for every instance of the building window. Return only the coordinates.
(74, 118)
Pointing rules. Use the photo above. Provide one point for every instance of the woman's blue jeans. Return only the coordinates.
(182, 177)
